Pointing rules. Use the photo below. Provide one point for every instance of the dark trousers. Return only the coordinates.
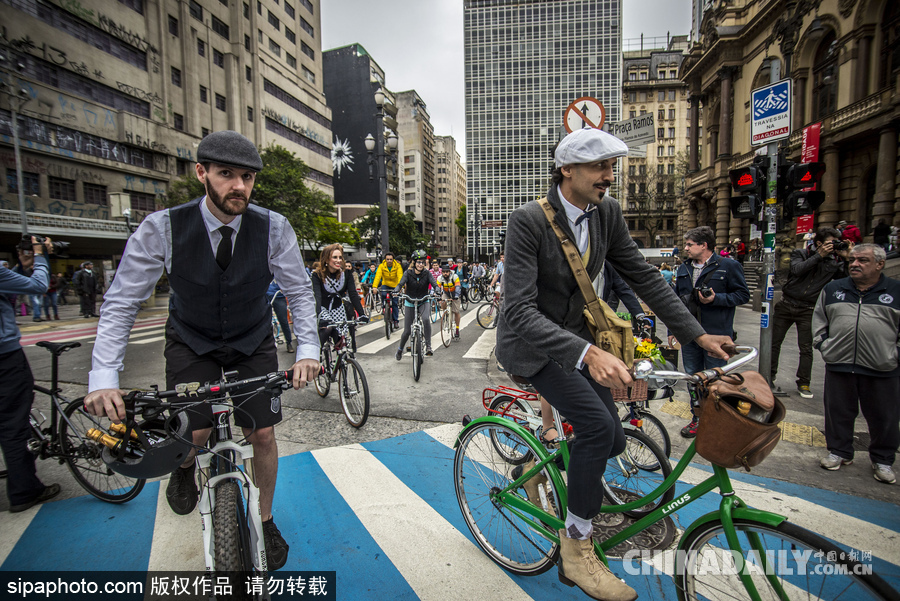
(696, 359)
(395, 310)
(879, 399)
(16, 396)
(88, 303)
(280, 307)
(598, 433)
(50, 302)
(409, 316)
(785, 315)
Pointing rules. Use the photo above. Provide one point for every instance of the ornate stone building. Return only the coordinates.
(844, 58)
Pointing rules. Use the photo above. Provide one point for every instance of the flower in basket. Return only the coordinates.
(645, 349)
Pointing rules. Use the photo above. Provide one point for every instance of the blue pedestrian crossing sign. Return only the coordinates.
(771, 113)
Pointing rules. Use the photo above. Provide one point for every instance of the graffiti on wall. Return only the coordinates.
(10, 202)
(142, 184)
(291, 124)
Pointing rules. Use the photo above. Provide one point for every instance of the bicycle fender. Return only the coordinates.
(737, 513)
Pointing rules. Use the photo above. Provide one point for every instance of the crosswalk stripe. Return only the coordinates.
(483, 346)
(147, 340)
(177, 539)
(464, 320)
(405, 526)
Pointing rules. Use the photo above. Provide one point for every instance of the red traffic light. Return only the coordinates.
(745, 179)
(805, 175)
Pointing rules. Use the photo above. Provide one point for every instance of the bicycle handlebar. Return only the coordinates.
(150, 399)
(417, 301)
(644, 369)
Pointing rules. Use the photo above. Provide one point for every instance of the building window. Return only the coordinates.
(95, 195)
(274, 48)
(178, 121)
(307, 5)
(274, 22)
(141, 201)
(271, 88)
(223, 2)
(248, 73)
(825, 76)
(250, 114)
(246, 11)
(659, 169)
(258, 7)
(291, 37)
(660, 131)
(671, 151)
(671, 94)
(630, 169)
(307, 50)
(220, 102)
(203, 97)
(246, 42)
(289, 10)
(196, 10)
(62, 189)
(671, 132)
(173, 26)
(305, 26)
(31, 183)
(642, 170)
(661, 95)
(220, 28)
(201, 47)
(181, 167)
(218, 58)
(662, 114)
(176, 77)
(660, 151)
(632, 76)
(643, 76)
(309, 75)
(672, 114)
(632, 114)
(291, 61)
(259, 31)
(632, 96)
(135, 5)
(632, 190)
(204, 132)
(671, 168)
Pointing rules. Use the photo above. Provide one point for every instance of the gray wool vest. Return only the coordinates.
(210, 308)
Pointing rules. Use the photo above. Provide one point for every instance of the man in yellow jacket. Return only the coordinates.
(387, 278)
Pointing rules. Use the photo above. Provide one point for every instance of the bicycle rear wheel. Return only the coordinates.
(231, 536)
(416, 346)
(804, 565)
(637, 471)
(83, 456)
(354, 393)
(511, 449)
(654, 429)
(323, 380)
(446, 327)
(520, 545)
(487, 316)
(474, 294)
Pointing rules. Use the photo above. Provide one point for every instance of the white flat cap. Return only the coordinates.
(587, 146)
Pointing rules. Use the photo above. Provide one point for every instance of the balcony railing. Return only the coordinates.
(55, 225)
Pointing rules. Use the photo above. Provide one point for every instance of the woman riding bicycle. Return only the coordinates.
(416, 281)
(331, 285)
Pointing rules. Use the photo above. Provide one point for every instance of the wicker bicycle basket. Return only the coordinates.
(638, 392)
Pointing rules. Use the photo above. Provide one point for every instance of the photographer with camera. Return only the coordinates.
(711, 287)
(23, 488)
(810, 271)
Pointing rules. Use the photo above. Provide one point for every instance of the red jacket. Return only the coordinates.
(852, 234)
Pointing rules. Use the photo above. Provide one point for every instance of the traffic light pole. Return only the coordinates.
(769, 221)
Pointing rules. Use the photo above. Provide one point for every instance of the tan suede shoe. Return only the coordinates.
(531, 486)
(580, 566)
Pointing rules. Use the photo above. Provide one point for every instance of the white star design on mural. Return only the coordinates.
(341, 155)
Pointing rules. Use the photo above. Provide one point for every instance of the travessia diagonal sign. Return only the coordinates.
(771, 118)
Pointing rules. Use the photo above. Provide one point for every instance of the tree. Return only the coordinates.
(281, 187)
(461, 221)
(650, 197)
(403, 237)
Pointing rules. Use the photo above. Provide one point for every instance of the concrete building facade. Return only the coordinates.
(652, 179)
(417, 194)
(844, 59)
(119, 95)
(525, 62)
(450, 183)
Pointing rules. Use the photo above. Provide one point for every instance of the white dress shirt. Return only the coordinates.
(149, 252)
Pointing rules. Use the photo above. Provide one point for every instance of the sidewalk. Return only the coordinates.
(69, 315)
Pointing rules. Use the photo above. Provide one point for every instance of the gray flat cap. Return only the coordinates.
(587, 146)
(229, 148)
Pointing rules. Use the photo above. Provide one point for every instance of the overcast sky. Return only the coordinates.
(419, 44)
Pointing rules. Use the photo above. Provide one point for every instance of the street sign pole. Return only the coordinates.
(770, 210)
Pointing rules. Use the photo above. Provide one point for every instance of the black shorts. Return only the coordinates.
(184, 365)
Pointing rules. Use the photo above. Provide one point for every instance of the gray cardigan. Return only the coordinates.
(541, 317)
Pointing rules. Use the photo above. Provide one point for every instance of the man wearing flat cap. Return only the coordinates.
(220, 252)
(542, 334)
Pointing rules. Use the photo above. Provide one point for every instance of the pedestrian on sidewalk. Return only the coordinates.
(49, 299)
(62, 287)
(810, 271)
(88, 286)
(711, 287)
(24, 268)
(856, 324)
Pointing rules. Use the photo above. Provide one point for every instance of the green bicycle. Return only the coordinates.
(736, 552)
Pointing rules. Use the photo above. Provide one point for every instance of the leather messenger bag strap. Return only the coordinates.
(578, 268)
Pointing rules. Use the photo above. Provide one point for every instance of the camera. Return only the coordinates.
(59, 248)
(706, 291)
(839, 245)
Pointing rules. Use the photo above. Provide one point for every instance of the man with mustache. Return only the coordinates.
(220, 254)
(542, 334)
(856, 325)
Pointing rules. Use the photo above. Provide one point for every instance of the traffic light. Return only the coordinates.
(502, 238)
(751, 183)
(796, 188)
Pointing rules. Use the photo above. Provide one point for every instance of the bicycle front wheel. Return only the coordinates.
(800, 563)
(636, 472)
(518, 544)
(487, 316)
(83, 456)
(474, 294)
(323, 380)
(446, 327)
(231, 536)
(354, 392)
(386, 311)
(416, 346)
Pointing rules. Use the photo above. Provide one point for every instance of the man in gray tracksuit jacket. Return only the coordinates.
(856, 326)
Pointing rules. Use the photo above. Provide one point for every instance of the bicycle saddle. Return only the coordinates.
(58, 348)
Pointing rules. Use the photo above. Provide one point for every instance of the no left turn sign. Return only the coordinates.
(584, 112)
